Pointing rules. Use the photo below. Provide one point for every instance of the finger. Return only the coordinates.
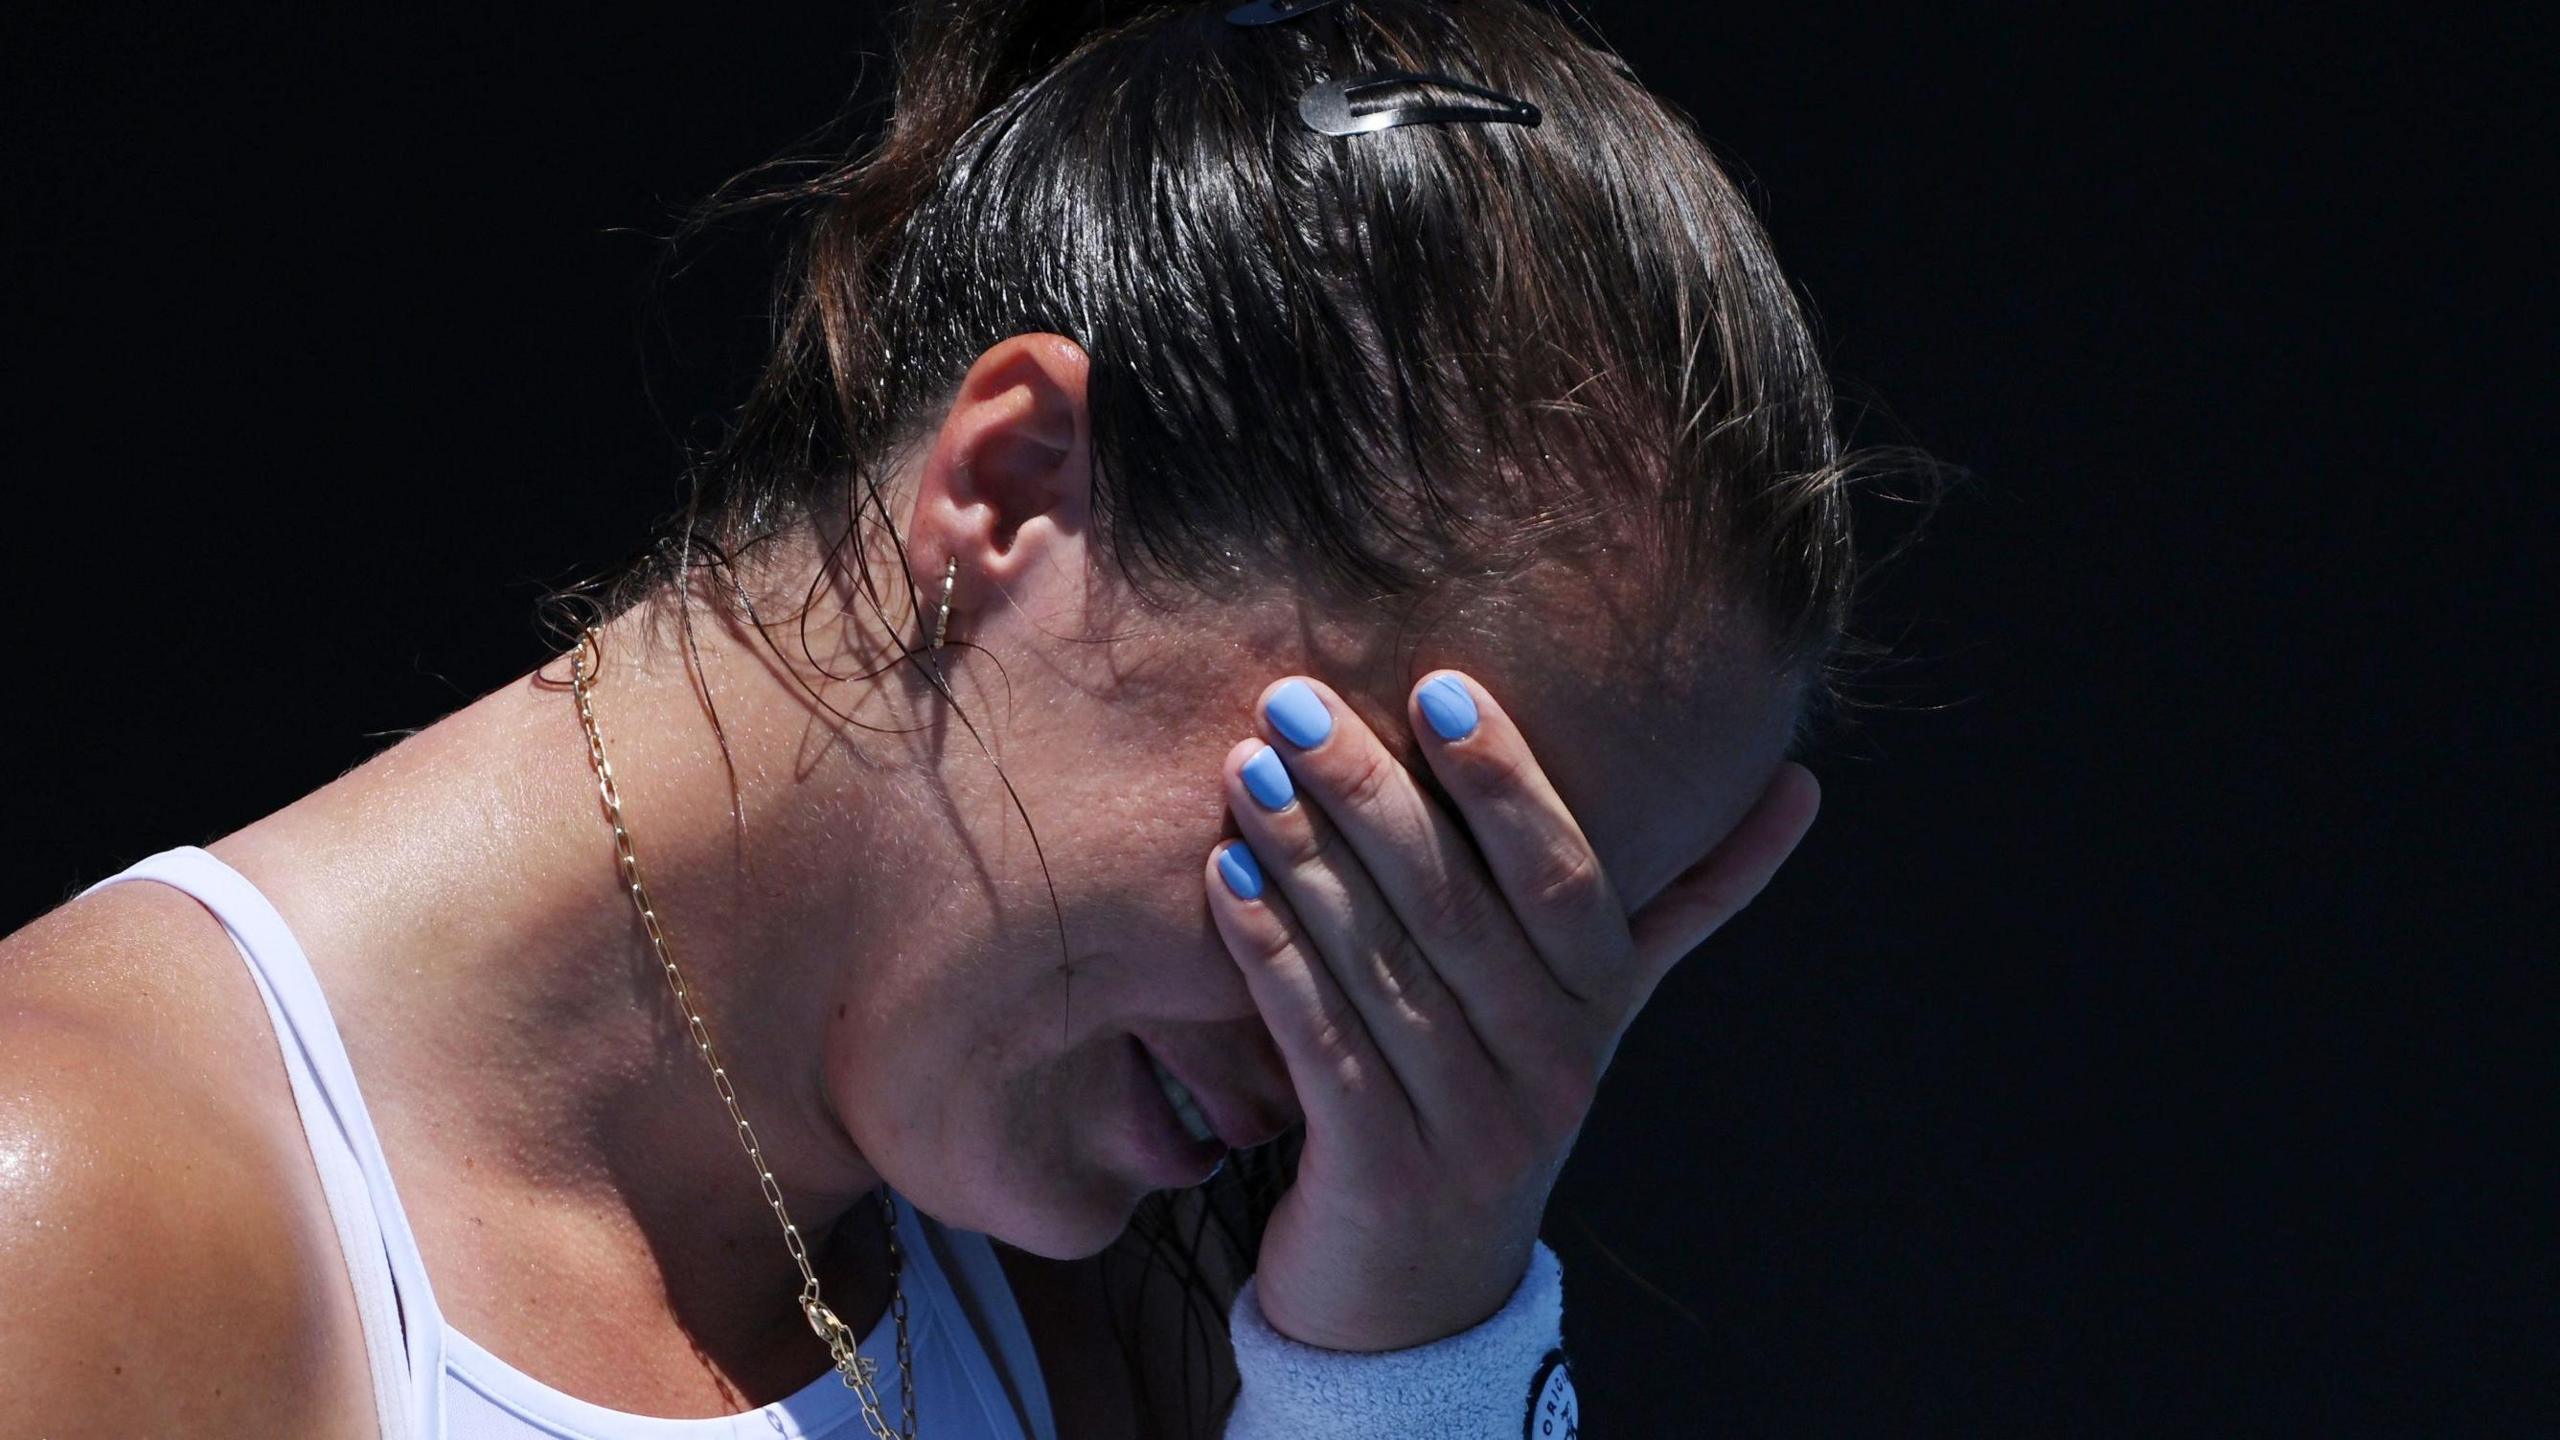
(1347, 1091)
(1421, 860)
(1377, 962)
(1698, 903)
(1545, 867)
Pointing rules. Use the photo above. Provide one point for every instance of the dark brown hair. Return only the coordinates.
(1369, 364)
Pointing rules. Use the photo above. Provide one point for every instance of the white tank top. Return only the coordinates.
(976, 1375)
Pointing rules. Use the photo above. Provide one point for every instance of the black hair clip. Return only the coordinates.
(1389, 98)
(1272, 12)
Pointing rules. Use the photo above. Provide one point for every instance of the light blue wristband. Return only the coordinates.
(1504, 1379)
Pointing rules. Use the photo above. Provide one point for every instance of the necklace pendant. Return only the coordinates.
(834, 1333)
(857, 1369)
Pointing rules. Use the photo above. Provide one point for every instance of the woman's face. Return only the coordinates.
(1005, 1096)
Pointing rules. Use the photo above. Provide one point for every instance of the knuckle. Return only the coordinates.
(1404, 970)
(1493, 769)
(1265, 948)
(1451, 906)
(1301, 842)
(1368, 780)
(1567, 880)
(1340, 1047)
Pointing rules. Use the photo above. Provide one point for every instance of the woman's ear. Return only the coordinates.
(1006, 485)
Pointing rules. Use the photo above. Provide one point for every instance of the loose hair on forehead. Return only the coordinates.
(1374, 366)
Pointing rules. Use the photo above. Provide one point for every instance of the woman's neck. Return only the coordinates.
(557, 1141)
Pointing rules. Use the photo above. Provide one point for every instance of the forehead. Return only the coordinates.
(1652, 773)
(1656, 741)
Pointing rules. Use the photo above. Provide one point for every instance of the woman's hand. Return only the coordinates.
(1445, 1019)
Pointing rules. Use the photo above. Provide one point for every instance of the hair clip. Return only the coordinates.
(1272, 12)
(1388, 98)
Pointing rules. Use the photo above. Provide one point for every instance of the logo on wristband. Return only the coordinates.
(1553, 1412)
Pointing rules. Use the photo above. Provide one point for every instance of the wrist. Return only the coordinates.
(1480, 1382)
(1428, 1301)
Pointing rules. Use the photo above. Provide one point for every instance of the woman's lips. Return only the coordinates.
(1194, 1124)
(1173, 1160)
(1240, 1125)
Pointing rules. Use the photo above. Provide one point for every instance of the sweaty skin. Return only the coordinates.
(901, 990)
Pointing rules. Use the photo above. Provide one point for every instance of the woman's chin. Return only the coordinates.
(1072, 1229)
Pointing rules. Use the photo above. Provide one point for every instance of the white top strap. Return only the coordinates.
(394, 1305)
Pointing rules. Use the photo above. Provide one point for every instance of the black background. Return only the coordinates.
(2135, 1043)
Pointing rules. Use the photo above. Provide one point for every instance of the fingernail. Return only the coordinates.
(1268, 779)
(1240, 870)
(1298, 713)
(1448, 706)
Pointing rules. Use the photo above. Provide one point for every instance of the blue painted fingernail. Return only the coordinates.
(1448, 706)
(1240, 870)
(1298, 713)
(1268, 779)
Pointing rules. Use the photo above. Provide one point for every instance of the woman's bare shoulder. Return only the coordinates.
(164, 1246)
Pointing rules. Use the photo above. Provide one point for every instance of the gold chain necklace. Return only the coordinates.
(856, 1369)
